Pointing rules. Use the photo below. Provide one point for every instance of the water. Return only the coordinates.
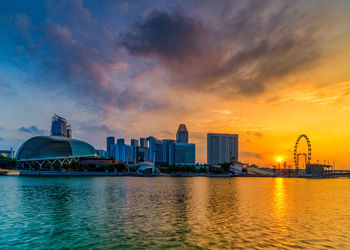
(129, 212)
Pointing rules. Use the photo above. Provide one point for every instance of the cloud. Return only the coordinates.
(171, 36)
(98, 128)
(76, 56)
(258, 134)
(6, 89)
(1, 139)
(247, 47)
(235, 48)
(34, 130)
(250, 154)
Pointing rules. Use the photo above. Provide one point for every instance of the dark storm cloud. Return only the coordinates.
(168, 35)
(34, 130)
(249, 45)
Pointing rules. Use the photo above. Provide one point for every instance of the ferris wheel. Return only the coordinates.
(297, 154)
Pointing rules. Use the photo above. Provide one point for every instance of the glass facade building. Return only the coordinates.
(110, 142)
(182, 134)
(166, 147)
(155, 149)
(134, 143)
(142, 154)
(122, 152)
(60, 127)
(182, 154)
(143, 143)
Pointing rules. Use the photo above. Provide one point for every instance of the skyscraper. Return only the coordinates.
(60, 127)
(69, 131)
(118, 150)
(166, 147)
(134, 143)
(110, 142)
(121, 141)
(143, 143)
(143, 151)
(222, 148)
(155, 149)
(122, 152)
(142, 154)
(182, 134)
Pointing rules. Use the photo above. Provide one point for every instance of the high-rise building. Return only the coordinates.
(59, 127)
(143, 143)
(166, 146)
(142, 154)
(134, 143)
(128, 155)
(182, 154)
(155, 149)
(182, 134)
(122, 152)
(110, 142)
(69, 131)
(117, 150)
(222, 148)
(120, 141)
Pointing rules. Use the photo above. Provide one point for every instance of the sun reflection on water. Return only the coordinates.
(279, 206)
(279, 198)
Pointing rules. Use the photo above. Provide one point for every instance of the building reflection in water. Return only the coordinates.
(199, 199)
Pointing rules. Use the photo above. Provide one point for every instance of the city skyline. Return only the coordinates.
(268, 71)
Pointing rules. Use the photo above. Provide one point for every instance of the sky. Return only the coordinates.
(266, 70)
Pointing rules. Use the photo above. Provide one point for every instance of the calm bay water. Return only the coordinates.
(129, 212)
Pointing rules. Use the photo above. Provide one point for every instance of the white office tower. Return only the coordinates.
(222, 148)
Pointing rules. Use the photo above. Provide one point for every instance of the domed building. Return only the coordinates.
(40, 149)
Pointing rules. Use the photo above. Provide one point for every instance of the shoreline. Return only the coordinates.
(8, 172)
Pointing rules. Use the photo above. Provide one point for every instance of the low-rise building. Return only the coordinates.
(182, 154)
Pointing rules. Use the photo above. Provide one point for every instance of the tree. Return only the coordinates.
(7, 163)
(202, 170)
(120, 167)
(226, 166)
(47, 165)
(57, 165)
(75, 165)
(34, 165)
(65, 165)
(91, 166)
